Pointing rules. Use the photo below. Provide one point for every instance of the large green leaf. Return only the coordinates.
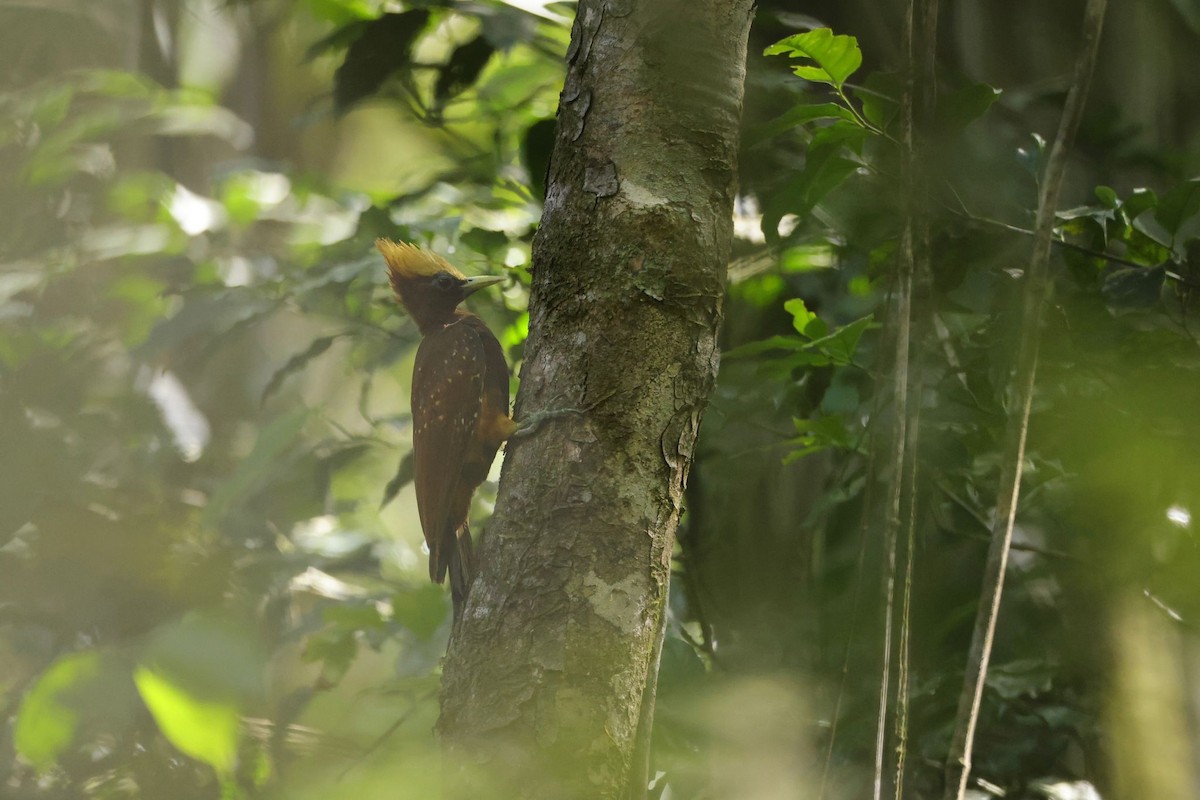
(198, 677)
(824, 171)
(48, 719)
(836, 57)
(206, 730)
(799, 115)
(1179, 205)
(80, 691)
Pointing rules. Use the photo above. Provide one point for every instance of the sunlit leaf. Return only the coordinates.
(80, 698)
(197, 677)
(341, 11)
(842, 343)
(837, 57)
(806, 258)
(49, 717)
(801, 316)
(206, 730)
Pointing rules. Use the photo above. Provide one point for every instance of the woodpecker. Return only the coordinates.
(459, 404)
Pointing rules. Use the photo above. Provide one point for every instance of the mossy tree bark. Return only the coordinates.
(548, 687)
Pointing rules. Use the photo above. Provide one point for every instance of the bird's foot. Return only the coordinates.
(533, 423)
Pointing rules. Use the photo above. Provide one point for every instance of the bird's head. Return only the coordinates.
(428, 286)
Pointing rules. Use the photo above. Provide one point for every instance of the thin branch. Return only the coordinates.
(905, 655)
(912, 243)
(855, 604)
(921, 40)
(873, 456)
(971, 217)
(387, 734)
(1037, 283)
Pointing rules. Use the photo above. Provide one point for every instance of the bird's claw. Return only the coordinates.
(532, 423)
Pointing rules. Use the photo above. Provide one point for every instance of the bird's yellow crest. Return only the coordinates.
(407, 261)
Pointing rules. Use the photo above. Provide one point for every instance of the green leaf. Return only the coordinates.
(461, 71)
(295, 364)
(335, 648)
(799, 115)
(801, 316)
(382, 50)
(340, 11)
(1107, 197)
(839, 134)
(422, 609)
(816, 435)
(760, 291)
(81, 693)
(1141, 201)
(204, 317)
(257, 468)
(807, 258)
(487, 242)
(1190, 13)
(1027, 677)
(765, 345)
(841, 344)
(840, 397)
(837, 57)
(197, 677)
(879, 96)
(681, 668)
(201, 120)
(206, 730)
(1033, 157)
(959, 108)
(49, 717)
(1134, 289)
(403, 477)
(212, 656)
(1179, 205)
(826, 170)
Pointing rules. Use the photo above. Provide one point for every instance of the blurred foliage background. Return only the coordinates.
(211, 581)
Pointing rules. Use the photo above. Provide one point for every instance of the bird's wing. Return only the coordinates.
(446, 399)
(495, 378)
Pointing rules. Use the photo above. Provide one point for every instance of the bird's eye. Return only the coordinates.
(444, 280)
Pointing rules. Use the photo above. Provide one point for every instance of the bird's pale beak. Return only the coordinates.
(472, 285)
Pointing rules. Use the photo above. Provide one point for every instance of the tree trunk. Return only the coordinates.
(548, 688)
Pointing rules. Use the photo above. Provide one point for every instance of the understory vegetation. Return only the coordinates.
(212, 581)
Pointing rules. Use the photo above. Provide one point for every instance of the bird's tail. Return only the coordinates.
(462, 570)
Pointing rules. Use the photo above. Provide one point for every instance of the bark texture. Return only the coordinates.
(548, 684)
